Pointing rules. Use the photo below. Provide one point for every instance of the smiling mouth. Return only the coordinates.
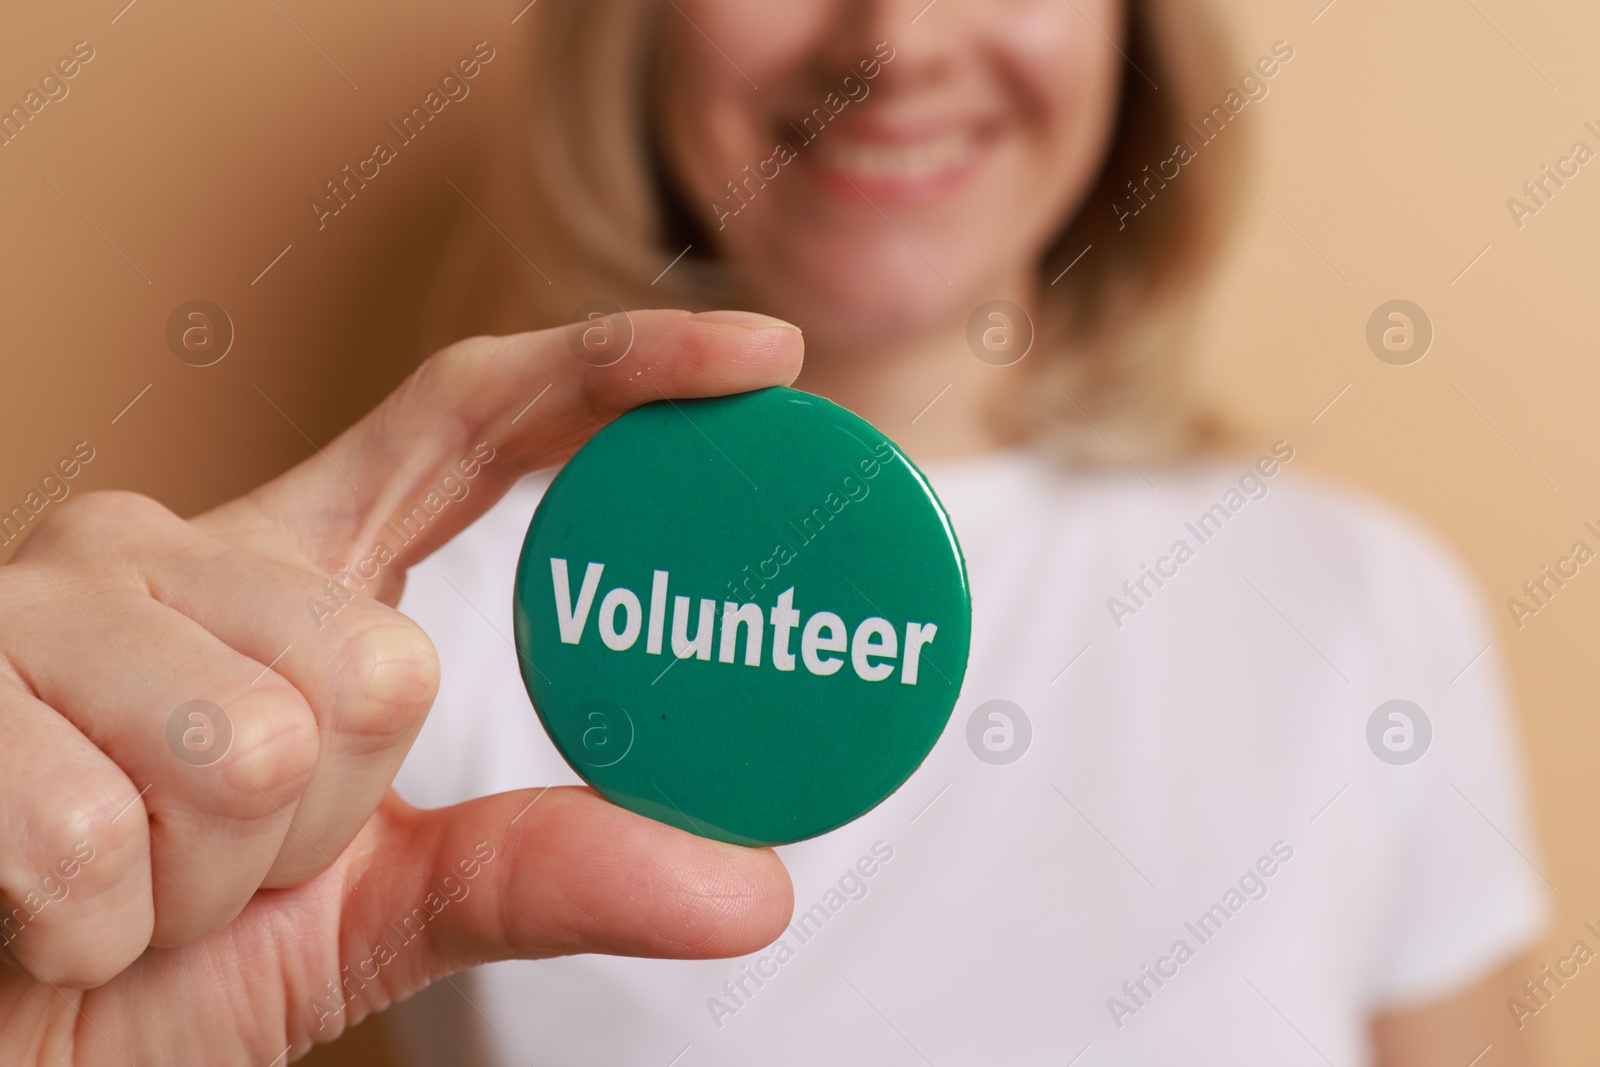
(885, 163)
(908, 162)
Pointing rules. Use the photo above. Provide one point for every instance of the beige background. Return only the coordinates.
(1383, 159)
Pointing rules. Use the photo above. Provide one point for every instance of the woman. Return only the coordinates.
(1198, 854)
(878, 173)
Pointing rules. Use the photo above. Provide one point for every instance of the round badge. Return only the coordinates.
(747, 617)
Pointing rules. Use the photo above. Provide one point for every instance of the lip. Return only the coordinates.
(901, 162)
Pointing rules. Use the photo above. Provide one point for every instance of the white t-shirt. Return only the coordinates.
(1199, 857)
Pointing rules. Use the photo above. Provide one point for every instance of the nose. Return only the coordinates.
(923, 34)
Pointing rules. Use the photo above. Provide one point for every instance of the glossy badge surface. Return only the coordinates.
(747, 616)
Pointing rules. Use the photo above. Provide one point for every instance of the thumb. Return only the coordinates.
(549, 872)
(449, 442)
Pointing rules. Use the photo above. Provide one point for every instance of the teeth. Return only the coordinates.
(894, 162)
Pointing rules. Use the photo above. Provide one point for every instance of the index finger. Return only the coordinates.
(502, 406)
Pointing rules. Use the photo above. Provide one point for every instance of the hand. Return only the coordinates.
(164, 905)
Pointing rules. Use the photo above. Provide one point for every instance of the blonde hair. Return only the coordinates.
(584, 213)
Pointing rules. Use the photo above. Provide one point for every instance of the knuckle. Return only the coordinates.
(385, 680)
(76, 902)
(103, 823)
(76, 820)
(273, 754)
(111, 511)
(454, 367)
(95, 521)
(93, 835)
(423, 406)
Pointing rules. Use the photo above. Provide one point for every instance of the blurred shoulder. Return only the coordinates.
(1267, 514)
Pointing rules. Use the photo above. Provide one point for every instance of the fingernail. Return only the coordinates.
(746, 318)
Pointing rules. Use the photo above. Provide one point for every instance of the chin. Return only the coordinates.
(810, 248)
(852, 308)
(923, 274)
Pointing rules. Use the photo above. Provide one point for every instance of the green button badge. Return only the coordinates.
(746, 617)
